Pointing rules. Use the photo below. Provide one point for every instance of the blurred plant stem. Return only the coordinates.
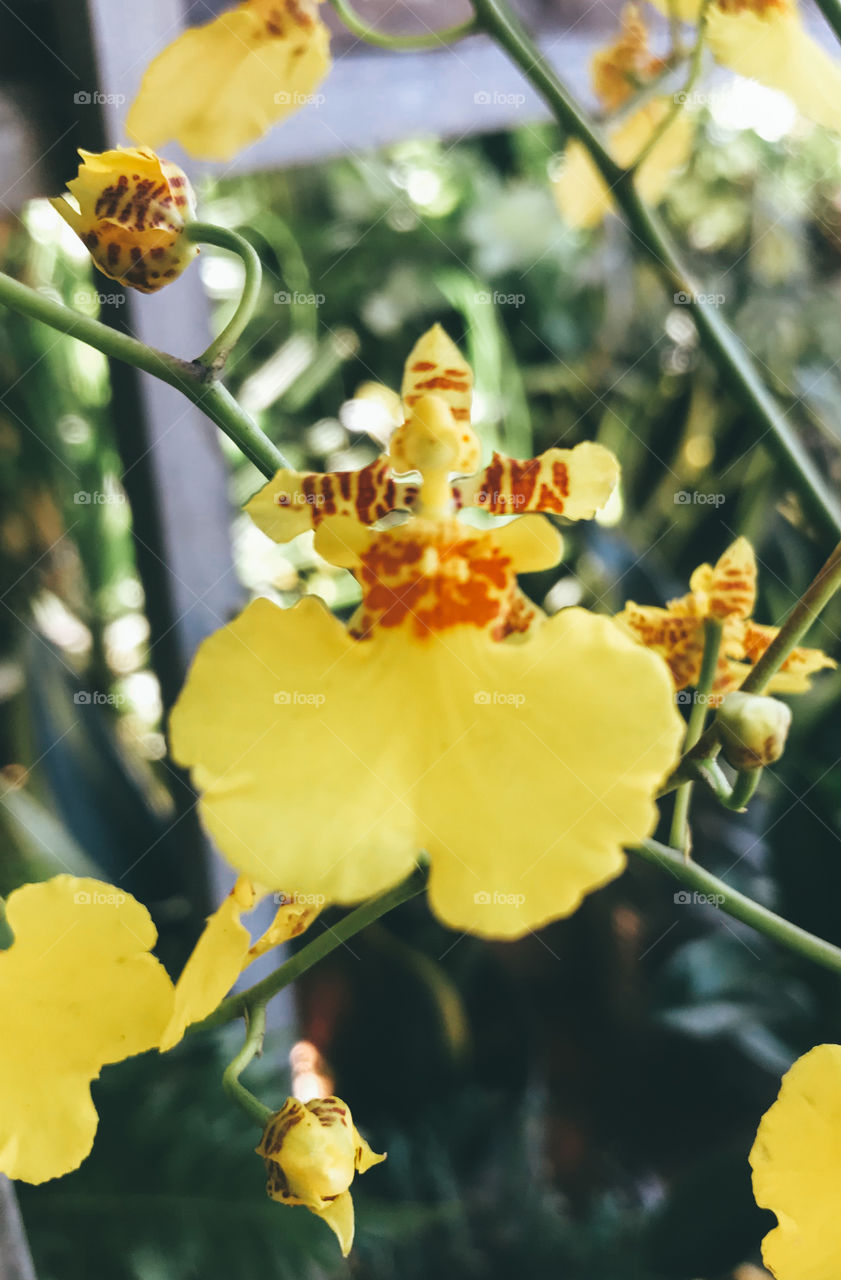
(252, 1046)
(680, 98)
(814, 599)
(192, 378)
(766, 415)
(206, 233)
(406, 44)
(332, 937)
(739, 906)
(679, 835)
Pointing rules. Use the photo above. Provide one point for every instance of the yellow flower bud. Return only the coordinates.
(312, 1151)
(753, 729)
(131, 214)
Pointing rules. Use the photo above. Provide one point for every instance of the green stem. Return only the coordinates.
(831, 10)
(765, 415)
(679, 834)
(191, 379)
(223, 238)
(314, 951)
(680, 99)
(400, 44)
(252, 1046)
(814, 599)
(743, 788)
(741, 907)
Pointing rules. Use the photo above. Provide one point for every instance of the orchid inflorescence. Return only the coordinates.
(396, 753)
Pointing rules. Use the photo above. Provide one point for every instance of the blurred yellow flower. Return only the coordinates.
(312, 1151)
(225, 949)
(725, 591)
(521, 752)
(132, 207)
(765, 40)
(796, 1162)
(78, 989)
(618, 71)
(217, 88)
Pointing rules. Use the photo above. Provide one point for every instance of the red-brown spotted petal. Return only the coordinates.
(294, 501)
(436, 367)
(575, 483)
(731, 586)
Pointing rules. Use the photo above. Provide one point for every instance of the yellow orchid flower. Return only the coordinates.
(132, 207)
(312, 1152)
(521, 752)
(217, 88)
(225, 949)
(78, 989)
(618, 71)
(796, 1162)
(765, 40)
(725, 591)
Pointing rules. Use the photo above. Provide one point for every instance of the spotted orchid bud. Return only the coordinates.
(312, 1151)
(753, 729)
(130, 209)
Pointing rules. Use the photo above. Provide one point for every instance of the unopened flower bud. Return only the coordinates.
(311, 1152)
(132, 209)
(753, 729)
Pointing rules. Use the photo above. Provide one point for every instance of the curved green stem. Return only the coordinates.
(223, 238)
(190, 378)
(695, 63)
(314, 951)
(741, 907)
(679, 834)
(400, 44)
(252, 1046)
(765, 415)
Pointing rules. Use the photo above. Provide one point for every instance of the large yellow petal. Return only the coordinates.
(581, 193)
(796, 1162)
(379, 747)
(78, 989)
(589, 719)
(303, 752)
(218, 87)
